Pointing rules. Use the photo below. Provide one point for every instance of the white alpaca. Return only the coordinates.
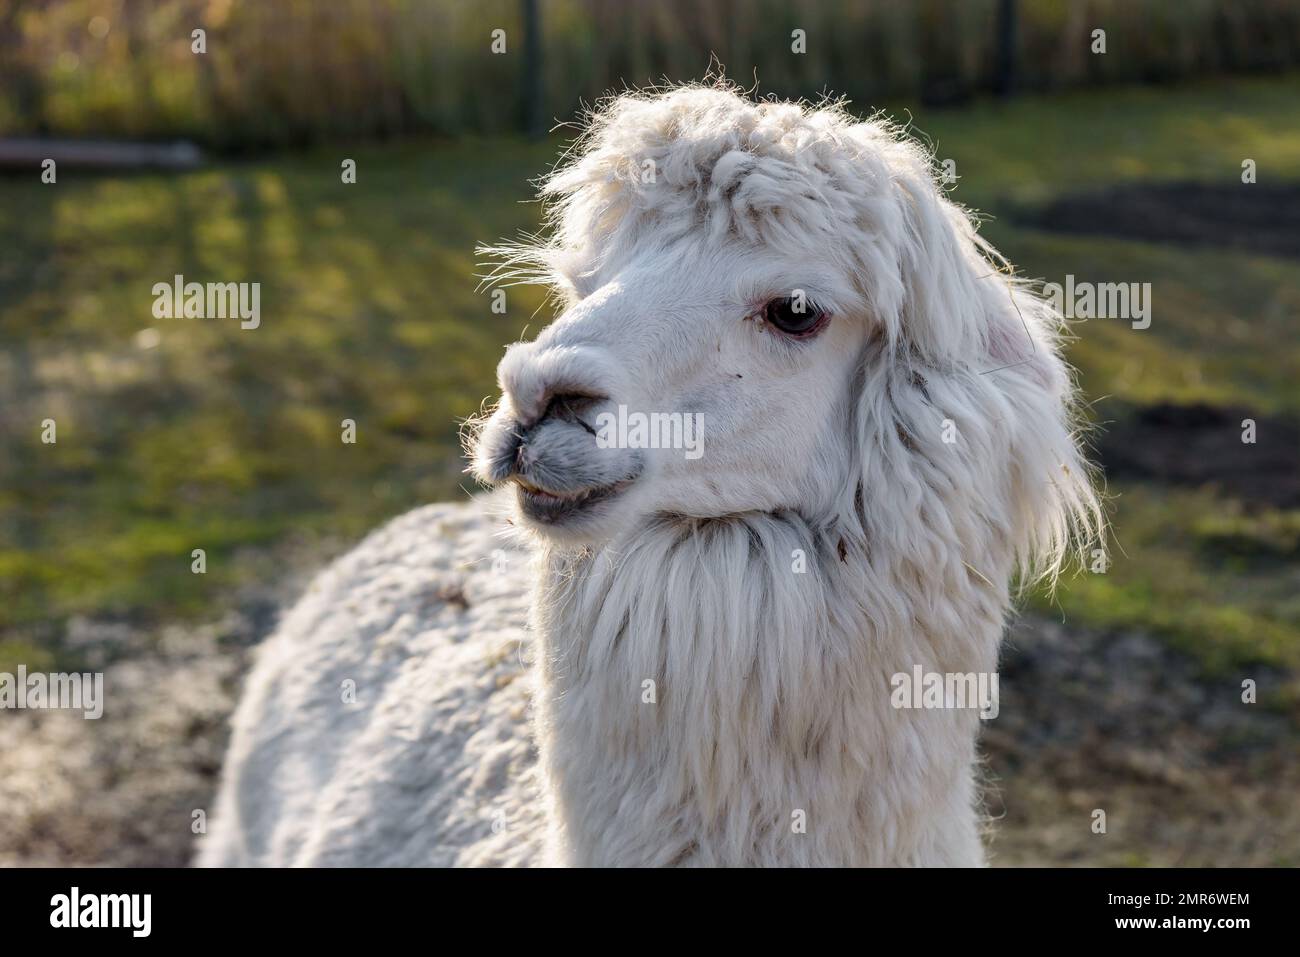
(710, 640)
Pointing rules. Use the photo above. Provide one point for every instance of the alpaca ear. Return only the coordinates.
(1023, 337)
(943, 314)
(958, 307)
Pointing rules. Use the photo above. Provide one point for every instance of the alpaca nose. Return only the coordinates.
(554, 382)
(544, 425)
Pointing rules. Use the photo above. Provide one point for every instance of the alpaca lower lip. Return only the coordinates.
(552, 507)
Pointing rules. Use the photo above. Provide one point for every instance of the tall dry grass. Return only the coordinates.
(280, 72)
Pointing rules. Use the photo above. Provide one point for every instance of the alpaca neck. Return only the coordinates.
(719, 693)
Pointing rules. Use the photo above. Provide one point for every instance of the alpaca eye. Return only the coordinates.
(799, 317)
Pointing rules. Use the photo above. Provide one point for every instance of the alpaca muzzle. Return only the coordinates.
(555, 462)
(543, 436)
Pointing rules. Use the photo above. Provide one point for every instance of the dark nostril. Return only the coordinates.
(570, 407)
(514, 456)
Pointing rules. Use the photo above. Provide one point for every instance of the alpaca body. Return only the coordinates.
(739, 755)
(434, 763)
(886, 437)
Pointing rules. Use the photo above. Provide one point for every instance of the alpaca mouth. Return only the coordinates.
(550, 508)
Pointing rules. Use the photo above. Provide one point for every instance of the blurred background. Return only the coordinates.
(1122, 691)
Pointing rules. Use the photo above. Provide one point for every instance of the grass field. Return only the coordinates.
(175, 435)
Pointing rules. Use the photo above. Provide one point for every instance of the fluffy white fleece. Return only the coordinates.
(769, 738)
(434, 764)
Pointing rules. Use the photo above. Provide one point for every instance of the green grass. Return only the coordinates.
(1192, 569)
(229, 440)
(1029, 150)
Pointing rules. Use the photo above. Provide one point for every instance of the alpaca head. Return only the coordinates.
(817, 327)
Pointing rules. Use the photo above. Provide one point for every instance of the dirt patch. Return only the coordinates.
(1251, 217)
(1202, 445)
(1185, 771)
(122, 790)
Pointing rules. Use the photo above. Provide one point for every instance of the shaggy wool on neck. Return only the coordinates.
(771, 700)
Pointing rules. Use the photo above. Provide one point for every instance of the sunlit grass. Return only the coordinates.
(217, 437)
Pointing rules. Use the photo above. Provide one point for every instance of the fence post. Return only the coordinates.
(1004, 77)
(534, 91)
